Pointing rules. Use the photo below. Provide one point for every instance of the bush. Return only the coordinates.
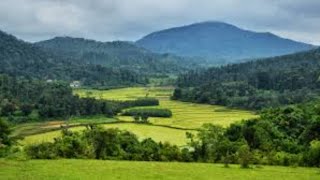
(150, 112)
(244, 156)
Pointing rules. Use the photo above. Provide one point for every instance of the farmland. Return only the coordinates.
(158, 133)
(95, 169)
(185, 115)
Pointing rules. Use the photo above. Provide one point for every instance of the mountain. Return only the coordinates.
(219, 42)
(22, 59)
(269, 82)
(116, 54)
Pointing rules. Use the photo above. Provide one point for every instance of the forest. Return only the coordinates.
(259, 84)
(22, 59)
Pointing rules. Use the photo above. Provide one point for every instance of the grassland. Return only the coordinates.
(94, 169)
(185, 115)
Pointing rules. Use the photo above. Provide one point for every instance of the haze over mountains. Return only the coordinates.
(219, 42)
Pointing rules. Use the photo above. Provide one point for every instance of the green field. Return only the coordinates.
(95, 169)
(163, 134)
(185, 115)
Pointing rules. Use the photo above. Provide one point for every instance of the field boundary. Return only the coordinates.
(63, 126)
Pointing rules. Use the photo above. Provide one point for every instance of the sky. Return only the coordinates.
(109, 20)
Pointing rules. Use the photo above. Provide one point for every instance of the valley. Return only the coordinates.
(159, 90)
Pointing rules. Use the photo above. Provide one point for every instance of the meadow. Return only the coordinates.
(98, 169)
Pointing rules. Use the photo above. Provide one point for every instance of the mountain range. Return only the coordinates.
(219, 42)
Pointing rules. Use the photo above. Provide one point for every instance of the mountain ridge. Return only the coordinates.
(219, 41)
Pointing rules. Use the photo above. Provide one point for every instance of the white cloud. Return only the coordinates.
(130, 19)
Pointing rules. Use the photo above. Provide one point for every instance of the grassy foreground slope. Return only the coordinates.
(95, 169)
(185, 115)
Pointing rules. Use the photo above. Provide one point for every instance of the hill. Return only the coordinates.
(116, 54)
(22, 59)
(267, 82)
(219, 42)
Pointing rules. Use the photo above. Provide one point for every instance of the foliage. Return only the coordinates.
(121, 54)
(21, 59)
(281, 136)
(22, 98)
(99, 143)
(151, 112)
(258, 84)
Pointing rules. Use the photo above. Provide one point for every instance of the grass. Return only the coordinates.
(185, 115)
(95, 169)
(40, 127)
(163, 134)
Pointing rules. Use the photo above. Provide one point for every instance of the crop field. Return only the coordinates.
(95, 169)
(157, 133)
(185, 115)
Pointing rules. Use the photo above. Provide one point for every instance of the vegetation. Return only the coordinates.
(21, 59)
(115, 170)
(184, 114)
(284, 136)
(143, 131)
(29, 100)
(150, 112)
(98, 143)
(118, 54)
(259, 84)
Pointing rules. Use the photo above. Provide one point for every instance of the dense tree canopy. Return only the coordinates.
(264, 83)
(118, 54)
(21, 59)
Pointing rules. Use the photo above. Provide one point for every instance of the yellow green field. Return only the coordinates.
(95, 169)
(163, 134)
(185, 115)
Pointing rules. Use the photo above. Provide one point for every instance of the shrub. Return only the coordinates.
(150, 112)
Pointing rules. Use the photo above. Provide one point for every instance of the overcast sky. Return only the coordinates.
(108, 20)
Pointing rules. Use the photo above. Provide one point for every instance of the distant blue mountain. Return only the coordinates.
(219, 42)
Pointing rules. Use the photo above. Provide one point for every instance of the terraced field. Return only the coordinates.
(185, 115)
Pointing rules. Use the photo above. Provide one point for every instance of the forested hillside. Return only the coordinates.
(117, 54)
(25, 100)
(264, 83)
(19, 58)
(219, 42)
